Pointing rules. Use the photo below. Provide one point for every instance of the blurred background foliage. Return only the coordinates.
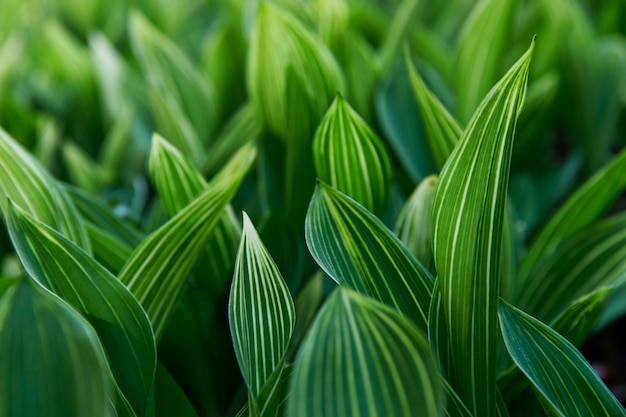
(85, 83)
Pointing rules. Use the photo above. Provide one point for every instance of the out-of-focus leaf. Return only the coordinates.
(82, 169)
(170, 398)
(123, 327)
(280, 44)
(158, 269)
(413, 225)
(354, 248)
(261, 314)
(29, 185)
(468, 216)
(481, 46)
(117, 142)
(110, 73)
(442, 130)
(173, 75)
(396, 110)
(333, 18)
(561, 377)
(11, 50)
(589, 202)
(108, 249)
(349, 156)
(591, 258)
(362, 358)
(57, 366)
(403, 21)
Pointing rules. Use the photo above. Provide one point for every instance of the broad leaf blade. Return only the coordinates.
(349, 156)
(362, 358)
(159, 268)
(261, 312)
(123, 327)
(355, 248)
(28, 184)
(442, 130)
(53, 363)
(564, 381)
(468, 217)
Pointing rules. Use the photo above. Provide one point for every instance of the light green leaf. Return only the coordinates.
(561, 377)
(82, 169)
(29, 185)
(123, 327)
(173, 75)
(362, 358)
(587, 204)
(481, 45)
(591, 258)
(413, 225)
(53, 362)
(442, 130)
(468, 216)
(108, 249)
(352, 158)
(355, 248)
(281, 44)
(396, 35)
(158, 269)
(261, 312)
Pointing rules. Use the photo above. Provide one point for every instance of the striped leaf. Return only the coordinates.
(442, 130)
(362, 358)
(592, 258)
(117, 317)
(158, 269)
(27, 183)
(109, 250)
(178, 182)
(261, 313)
(356, 249)
(352, 158)
(53, 362)
(468, 215)
(481, 45)
(561, 377)
(280, 45)
(413, 223)
(173, 75)
(587, 204)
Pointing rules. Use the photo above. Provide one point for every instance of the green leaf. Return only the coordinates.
(349, 156)
(108, 249)
(281, 44)
(402, 23)
(170, 398)
(29, 185)
(82, 169)
(158, 269)
(561, 377)
(123, 327)
(356, 249)
(468, 215)
(261, 312)
(362, 358)
(589, 202)
(53, 363)
(413, 225)
(482, 43)
(454, 405)
(592, 258)
(442, 130)
(173, 75)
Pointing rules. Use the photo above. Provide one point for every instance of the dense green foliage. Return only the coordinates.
(309, 207)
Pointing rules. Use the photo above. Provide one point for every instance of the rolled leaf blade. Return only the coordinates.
(468, 222)
(562, 379)
(356, 249)
(362, 358)
(261, 312)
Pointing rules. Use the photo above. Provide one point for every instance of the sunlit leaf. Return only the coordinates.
(29, 185)
(562, 379)
(349, 156)
(123, 327)
(354, 248)
(362, 358)
(468, 216)
(158, 269)
(54, 364)
(261, 312)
